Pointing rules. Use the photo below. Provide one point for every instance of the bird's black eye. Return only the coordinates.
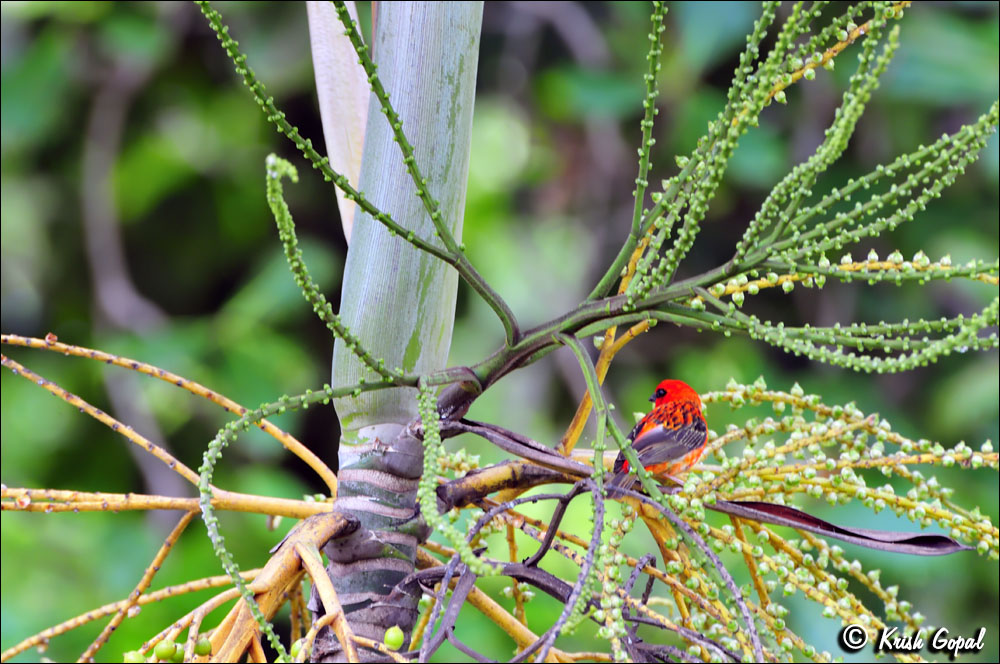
(660, 393)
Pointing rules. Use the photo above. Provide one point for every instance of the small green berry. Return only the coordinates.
(165, 649)
(203, 647)
(394, 637)
(133, 657)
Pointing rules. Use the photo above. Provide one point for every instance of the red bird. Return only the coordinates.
(670, 438)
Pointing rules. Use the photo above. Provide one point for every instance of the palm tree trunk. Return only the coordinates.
(400, 302)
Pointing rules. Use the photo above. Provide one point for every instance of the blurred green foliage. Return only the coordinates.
(548, 204)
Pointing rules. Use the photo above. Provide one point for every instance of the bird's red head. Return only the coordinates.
(674, 390)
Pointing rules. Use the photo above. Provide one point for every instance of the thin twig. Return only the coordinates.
(313, 562)
(198, 616)
(286, 439)
(516, 444)
(168, 459)
(450, 635)
(140, 588)
(96, 614)
(547, 639)
(515, 586)
(758, 582)
(310, 637)
(17, 499)
(734, 590)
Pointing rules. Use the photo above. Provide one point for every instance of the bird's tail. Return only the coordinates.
(622, 479)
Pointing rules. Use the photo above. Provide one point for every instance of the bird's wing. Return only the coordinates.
(658, 443)
(670, 433)
(664, 434)
(662, 444)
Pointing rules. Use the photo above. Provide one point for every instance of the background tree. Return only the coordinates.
(959, 394)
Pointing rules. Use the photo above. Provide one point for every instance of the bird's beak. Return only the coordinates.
(653, 398)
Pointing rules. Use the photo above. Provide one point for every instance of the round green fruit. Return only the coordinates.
(165, 649)
(394, 637)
